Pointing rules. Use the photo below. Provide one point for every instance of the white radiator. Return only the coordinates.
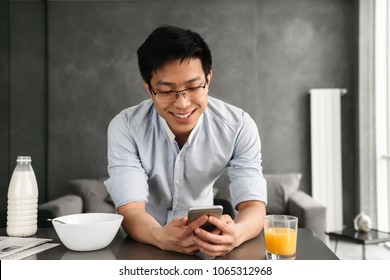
(325, 120)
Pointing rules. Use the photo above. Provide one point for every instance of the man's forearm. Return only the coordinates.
(250, 220)
(140, 226)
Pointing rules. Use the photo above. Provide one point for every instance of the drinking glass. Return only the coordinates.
(280, 235)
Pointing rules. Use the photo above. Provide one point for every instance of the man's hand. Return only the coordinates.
(220, 241)
(230, 234)
(178, 236)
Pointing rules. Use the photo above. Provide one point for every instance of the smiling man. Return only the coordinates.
(165, 153)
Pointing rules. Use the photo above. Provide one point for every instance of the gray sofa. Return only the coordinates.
(90, 195)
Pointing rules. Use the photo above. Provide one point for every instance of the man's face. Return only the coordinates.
(183, 114)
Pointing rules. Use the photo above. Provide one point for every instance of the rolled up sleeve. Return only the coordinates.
(127, 179)
(244, 169)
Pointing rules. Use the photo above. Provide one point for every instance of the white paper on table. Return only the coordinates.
(32, 251)
(12, 245)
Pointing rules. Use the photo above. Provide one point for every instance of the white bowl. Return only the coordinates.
(87, 231)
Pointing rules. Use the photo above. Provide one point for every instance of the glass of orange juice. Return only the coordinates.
(280, 235)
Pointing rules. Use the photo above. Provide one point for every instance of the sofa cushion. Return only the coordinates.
(94, 194)
(279, 189)
(64, 205)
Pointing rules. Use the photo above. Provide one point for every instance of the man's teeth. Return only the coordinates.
(182, 116)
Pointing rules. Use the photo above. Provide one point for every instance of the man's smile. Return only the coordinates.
(183, 116)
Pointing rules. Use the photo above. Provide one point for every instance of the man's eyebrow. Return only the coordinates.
(197, 78)
(165, 83)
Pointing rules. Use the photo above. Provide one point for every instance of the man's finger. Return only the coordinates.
(197, 223)
(178, 222)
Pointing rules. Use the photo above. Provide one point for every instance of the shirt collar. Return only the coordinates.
(166, 127)
(195, 129)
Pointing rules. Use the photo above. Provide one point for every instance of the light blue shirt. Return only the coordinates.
(145, 164)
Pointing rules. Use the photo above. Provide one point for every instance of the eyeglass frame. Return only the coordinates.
(183, 91)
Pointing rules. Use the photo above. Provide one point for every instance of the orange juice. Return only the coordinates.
(281, 241)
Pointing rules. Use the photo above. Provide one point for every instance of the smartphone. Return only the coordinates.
(196, 212)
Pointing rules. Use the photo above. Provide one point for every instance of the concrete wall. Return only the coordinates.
(267, 55)
(23, 112)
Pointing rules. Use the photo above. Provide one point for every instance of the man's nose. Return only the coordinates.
(182, 100)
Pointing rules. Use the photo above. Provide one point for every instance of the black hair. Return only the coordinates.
(169, 43)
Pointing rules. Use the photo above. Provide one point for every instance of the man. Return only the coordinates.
(165, 154)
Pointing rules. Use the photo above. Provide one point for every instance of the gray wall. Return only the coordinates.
(4, 104)
(22, 92)
(267, 55)
(301, 45)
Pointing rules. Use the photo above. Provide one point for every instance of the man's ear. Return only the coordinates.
(209, 76)
(147, 87)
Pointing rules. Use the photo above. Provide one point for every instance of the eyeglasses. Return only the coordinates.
(172, 95)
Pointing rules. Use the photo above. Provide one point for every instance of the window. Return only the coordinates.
(374, 111)
(382, 106)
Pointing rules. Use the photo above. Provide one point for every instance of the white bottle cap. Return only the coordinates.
(23, 159)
